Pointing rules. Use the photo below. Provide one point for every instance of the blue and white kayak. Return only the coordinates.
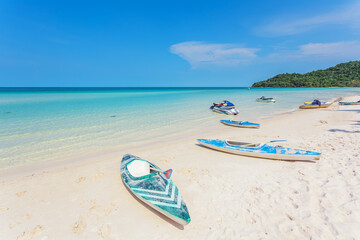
(150, 185)
(242, 124)
(260, 150)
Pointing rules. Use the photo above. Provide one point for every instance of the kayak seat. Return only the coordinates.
(138, 168)
(242, 144)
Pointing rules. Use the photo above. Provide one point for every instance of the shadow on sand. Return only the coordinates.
(356, 123)
(349, 110)
(344, 131)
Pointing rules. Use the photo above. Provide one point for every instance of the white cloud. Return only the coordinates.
(336, 49)
(348, 15)
(201, 53)
(346, 50)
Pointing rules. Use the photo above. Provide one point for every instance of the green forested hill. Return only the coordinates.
(341, 75)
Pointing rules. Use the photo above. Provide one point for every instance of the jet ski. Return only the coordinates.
(266, 100)
(315, 104)
(225, 107)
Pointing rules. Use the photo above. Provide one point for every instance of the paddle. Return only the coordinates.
(276, 141)
(167, 173)
(264, 142)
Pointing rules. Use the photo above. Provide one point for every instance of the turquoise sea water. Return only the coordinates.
(44, 124)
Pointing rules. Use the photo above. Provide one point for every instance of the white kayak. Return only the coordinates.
(260, 150)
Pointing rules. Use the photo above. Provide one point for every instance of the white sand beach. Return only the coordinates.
(228, 196)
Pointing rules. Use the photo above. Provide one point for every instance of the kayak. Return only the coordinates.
(243, 124)
(150, 185)
(260, 150)
(349, 103)
(313, 106)
(266, 100)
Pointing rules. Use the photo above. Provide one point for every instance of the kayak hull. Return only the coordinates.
(241, 124)
(263, 151)
(156, 191)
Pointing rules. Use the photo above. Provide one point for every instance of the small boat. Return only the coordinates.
(260, 150)
(315, 102)
(243, 124)
(314, 106)
(225, 107)
(152, 186)
(266, 100)
(350, 103)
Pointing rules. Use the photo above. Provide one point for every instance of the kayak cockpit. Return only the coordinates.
(243, 144)
(139, 168)
(237, 122)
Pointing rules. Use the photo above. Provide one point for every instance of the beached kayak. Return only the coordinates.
(314, 106)
(243, 124)
(349, 103)
(260, 150)
(153, 188)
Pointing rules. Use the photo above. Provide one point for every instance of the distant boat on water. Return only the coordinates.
(266, 100)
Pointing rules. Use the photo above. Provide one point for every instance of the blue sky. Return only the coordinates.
(171, 43)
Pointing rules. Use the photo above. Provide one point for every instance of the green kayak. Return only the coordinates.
(152, 186)
(350, 103)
